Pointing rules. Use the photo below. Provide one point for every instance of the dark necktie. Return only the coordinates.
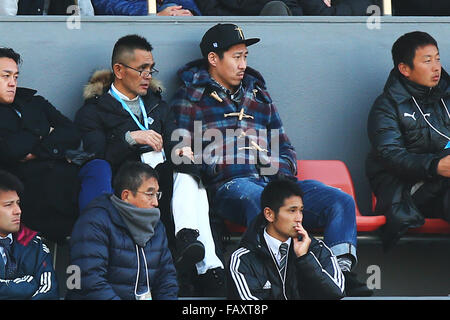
(283, 252)
(10, 267)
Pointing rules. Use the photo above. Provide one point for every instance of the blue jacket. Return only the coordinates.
(102, 247)
(136, 7)
(35, 278)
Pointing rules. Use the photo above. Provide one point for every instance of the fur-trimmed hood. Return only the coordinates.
(101, 81)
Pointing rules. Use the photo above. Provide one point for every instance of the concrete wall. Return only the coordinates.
(323, 73)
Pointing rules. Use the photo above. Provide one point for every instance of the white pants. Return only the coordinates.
(190, 209)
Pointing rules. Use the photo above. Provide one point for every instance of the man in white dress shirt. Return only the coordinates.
(277, 259)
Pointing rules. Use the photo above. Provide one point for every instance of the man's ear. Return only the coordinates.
(125, 195)
(269, 214)
(118, 71)
(212, 58)
(404, 69)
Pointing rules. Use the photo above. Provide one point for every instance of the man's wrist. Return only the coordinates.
(129, 139)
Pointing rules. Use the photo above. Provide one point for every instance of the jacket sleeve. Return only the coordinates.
(165, 286)
(242, 282)
(387, 141)
(15, 146)
(89, 250)
(38, 285)
(64, 135)
(92, 133)
(319, 273)
(45, 275)
(120, 7)
(283, 155)
(18, 289)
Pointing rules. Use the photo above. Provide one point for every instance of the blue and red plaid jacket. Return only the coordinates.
(229, 146)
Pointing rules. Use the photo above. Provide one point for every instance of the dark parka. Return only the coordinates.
(253, 274)
(105, 251)
(103, 123)
(49, 204)
(405, 149)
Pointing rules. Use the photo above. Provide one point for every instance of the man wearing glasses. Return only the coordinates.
(120, 244)
(124, 117)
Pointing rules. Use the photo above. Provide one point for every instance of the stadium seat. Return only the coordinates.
(333, 173)
(336, 174)
(431, 226)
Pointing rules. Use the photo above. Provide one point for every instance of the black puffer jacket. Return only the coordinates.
(253, 274)
(405, 149)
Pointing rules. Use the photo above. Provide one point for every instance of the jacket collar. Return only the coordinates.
(23, 95)
(195, 75)
(401, 89)
(253, 238)
(101, 81)
(104, 202)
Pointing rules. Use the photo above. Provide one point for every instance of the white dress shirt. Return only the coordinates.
(274, 245)
(2, 251)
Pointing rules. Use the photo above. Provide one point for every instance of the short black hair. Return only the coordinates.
(131, 175)
(404, 49)
(277, 191)
(127, 45)
(9, 182)
(11, 54)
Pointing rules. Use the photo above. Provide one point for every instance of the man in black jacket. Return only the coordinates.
(408, 126)
(125, 118)
(34, 140)
(277, 260)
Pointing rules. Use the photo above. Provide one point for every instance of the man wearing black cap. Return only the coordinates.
(224, 101)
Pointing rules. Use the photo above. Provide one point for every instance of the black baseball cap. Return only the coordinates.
(222, 36)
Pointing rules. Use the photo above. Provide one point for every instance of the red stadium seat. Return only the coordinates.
(431, 226)
(333, 173)
(336, 174)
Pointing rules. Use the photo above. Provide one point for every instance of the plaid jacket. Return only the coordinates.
(226, 146)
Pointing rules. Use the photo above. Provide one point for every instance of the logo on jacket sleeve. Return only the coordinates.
(268, 285)
(406, 114)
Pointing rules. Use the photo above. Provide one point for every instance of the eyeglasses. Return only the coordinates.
(142, 73)
(151, 194)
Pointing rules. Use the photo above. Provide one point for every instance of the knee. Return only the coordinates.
(275, 8)
(344, 205)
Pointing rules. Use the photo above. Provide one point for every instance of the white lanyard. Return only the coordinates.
(137, 276)
(425, 118)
